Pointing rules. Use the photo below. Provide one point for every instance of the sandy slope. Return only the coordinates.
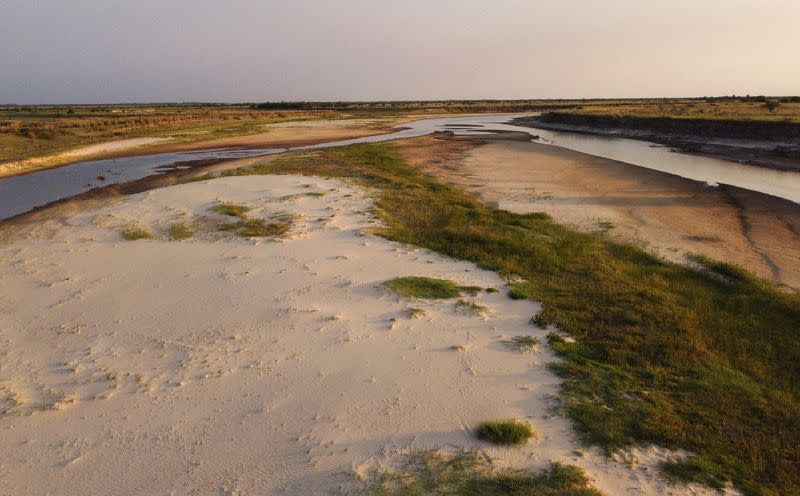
(222, 365)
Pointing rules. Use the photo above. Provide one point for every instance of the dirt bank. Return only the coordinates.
(766, 144)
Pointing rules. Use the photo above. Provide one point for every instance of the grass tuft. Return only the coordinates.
(523, 343)
(506, 431)
(179, 231)
(471, 306)
(416, 313)
(423, 287)
(133, 232)
(230, 209)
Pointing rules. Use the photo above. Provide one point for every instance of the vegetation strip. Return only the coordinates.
(701, 360)
(469, 474)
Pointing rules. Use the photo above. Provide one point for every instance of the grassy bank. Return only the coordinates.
(27, 132)
(754, 109)
(705, 360)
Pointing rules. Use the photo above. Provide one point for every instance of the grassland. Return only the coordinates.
(27, 132)
(705, 360)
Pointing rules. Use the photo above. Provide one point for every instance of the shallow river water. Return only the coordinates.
(19, 194)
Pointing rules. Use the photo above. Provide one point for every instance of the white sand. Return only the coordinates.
(232, 366)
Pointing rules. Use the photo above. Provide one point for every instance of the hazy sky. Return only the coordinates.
(83, 51)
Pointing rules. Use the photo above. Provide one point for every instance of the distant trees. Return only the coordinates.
(772, 104)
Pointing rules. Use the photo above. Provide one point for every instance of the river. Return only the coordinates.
(19, 194)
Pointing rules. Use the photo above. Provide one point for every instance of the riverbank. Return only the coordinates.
(672, 217)
(274, 135)
(769, 144)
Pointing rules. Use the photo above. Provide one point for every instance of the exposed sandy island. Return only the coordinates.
(666, 214)
(222, 365)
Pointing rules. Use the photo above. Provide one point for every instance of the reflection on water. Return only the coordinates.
(19, 194)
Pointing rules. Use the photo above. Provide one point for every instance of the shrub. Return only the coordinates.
(179, 231)
(132, 233)
(507, 431)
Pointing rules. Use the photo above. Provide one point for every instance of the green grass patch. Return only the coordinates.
(523, 343)
(705, 360)
(423, 287)
(133, 232)
(506, 431)
(695, 469)
(179, 231)
(230, 209)
(470, 474)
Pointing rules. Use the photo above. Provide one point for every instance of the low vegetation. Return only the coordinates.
(469, 474)
(230, 209)
(28, 131)
(423, 287)
(254, 228)
(730, 109)
(472, 307)
(247, 227)
(416, 313)
(507, 431)
(704, 360)
(523, 343)
(134, 232)
(179, 231)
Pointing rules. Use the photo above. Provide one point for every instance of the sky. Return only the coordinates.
(103, 51)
